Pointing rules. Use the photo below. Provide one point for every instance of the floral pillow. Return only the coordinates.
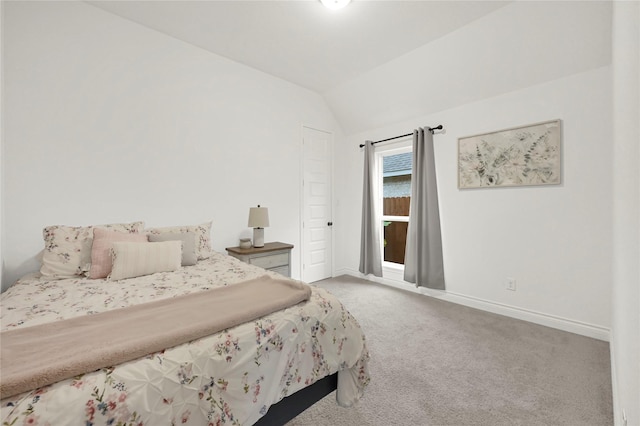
(67, 249)
(203, 236)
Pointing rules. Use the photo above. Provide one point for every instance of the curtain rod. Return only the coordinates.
(431, 129)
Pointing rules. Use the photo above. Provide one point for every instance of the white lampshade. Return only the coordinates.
(335, 4)
(258, 220)
(258, 217)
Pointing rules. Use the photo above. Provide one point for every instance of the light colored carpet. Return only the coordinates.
(438, 363)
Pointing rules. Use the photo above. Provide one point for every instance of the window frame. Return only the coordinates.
(399, 147)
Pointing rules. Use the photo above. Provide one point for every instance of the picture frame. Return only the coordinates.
(528, 155)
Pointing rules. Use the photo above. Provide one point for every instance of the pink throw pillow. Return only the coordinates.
(103, 240)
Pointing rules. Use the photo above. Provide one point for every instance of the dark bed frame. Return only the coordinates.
(294, 404)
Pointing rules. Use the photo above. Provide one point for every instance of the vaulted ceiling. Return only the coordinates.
(302, 41)
(381, 62)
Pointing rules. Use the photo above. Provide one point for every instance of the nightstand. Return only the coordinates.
(274, 257)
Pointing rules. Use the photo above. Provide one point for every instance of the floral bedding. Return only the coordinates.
(230, 377)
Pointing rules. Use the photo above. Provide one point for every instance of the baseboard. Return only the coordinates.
(565, 324)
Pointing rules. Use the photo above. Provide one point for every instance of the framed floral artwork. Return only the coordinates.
(519, 156)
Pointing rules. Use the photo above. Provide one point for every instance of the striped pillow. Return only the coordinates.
(137, 259)
(103, 239)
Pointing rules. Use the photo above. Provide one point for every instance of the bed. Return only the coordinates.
(264, 371)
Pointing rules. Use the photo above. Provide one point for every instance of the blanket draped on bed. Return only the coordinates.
(40, 355)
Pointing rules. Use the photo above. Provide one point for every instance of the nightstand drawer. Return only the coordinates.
(274, 256)
(270, 261)
(282, 270)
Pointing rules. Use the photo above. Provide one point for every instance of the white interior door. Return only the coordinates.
(316, 205)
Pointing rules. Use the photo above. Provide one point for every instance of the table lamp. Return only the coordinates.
(258, 220)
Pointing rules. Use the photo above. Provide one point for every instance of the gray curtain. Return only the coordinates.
(423, 263)
(370, 258)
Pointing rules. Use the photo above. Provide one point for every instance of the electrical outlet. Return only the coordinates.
(511, 284)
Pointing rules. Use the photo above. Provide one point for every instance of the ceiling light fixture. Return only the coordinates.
(335, 4)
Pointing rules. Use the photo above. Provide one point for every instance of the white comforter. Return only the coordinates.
(227, 378)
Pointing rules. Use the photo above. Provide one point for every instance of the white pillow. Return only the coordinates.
(136, 259)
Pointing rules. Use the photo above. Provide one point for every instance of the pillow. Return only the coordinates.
(188, 240)
(136, 259)
(67, 249)
(103, 240)
(203, 236)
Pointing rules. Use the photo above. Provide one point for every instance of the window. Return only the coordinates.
(394, 168)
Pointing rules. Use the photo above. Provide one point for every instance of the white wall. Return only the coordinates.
(1, 139)
(625, 339)
(108, 121)
(555, 240)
